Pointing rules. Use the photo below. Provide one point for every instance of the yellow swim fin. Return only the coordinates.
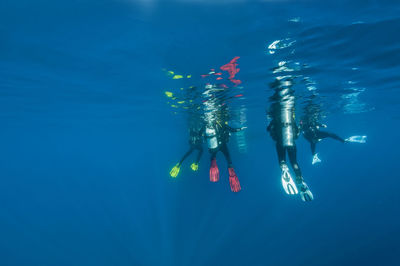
(175, 170)
(194, 166)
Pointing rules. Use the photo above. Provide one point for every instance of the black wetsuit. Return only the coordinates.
(196, 139)
(223, 134)
(313, 134)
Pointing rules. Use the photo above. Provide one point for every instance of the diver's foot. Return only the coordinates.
(234, 180)
(194, 166)
(175, 170)
(287, 182)
(214, 171)
(316, 159)
(305, 192)
(357, 139)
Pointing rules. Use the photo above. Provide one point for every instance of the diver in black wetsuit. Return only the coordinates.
(222, 135)
(218, 131)
(312, 133)
(275, 129)
(196, 140)
(284, 132)
(311, 127)
(217, 135)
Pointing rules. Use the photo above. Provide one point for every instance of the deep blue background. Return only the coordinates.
(87, 139)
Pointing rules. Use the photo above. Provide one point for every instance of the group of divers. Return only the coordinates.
(211, 126)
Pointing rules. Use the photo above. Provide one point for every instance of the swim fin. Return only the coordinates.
(357, 139)
(315, 159)
(233, 180)
(287, 182)
(305, 192)
(194, 166)
(214, 171)
(175, 170)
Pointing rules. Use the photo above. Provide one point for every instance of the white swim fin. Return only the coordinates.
(316, 159)
(305, 192)
(357, 139)
(287, 182)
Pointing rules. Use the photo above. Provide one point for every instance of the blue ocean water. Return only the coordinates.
(88, 135)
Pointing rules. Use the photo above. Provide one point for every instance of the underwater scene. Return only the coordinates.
(199, 132)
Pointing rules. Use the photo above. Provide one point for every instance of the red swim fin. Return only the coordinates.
(234, 180)
(214, 171)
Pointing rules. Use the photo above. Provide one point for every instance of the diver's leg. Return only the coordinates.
(305, 192)
(324, 134)
(314, 153)
(225, 151)
(177, 168)
(214, 171)
(313, 147)
(195, 165)
(186, 155)
(286, 178)
(200, 149)
(213, 153)
(292, 152)
(233, 178)
(280, 150)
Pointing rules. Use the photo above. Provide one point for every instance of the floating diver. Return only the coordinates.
(311, 129)
(196, 140)
(216, 116)
(313, 134)
(217, 135)
(284, 131)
